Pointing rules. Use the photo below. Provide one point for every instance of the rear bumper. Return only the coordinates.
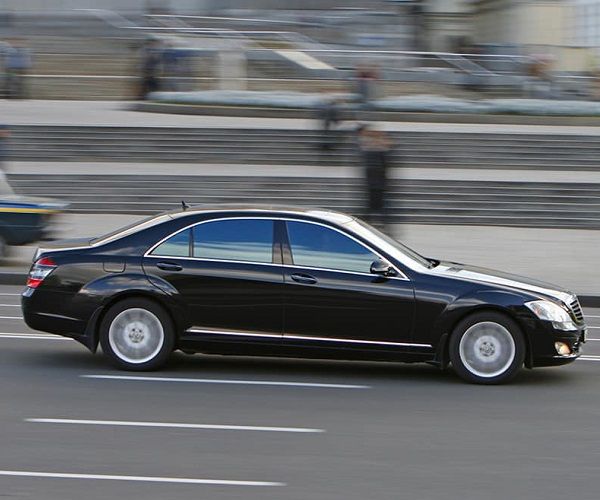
(37, 304)
(36, 313)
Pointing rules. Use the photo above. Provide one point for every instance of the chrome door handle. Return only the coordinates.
(169, 266)
(304, 278)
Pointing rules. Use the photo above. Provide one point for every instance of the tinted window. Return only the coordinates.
(248, 240)
(318, 246)
(176, 246)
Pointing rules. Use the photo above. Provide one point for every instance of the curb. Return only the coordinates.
(362, 115)
(17, 278)
(13, 278)
(589, 300)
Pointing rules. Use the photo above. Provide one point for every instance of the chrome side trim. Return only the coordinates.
(302, 337)
(216, 331)
(401, 275)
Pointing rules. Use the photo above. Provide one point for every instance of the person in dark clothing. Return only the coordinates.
(17, 63)
(375, 149)
(150, 67)
(328, 116)
(4, 136)
(365, 80)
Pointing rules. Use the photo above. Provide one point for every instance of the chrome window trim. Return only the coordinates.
(401, 276)
(234, 333)
(203, 259)
(328, 216)
(246, 262)
(357, 273)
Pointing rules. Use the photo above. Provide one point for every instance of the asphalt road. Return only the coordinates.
(262, 429)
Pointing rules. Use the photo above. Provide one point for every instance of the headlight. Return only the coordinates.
(549, 311)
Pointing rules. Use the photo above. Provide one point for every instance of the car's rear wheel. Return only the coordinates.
(137, 334)
(487, 348)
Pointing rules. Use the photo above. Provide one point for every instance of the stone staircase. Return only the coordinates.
(300, 147)
(529, 204)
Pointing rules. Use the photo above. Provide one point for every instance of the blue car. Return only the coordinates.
(25, 220)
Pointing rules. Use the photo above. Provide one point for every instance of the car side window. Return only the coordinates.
(313, 245)
(247, 240)
(177, 245)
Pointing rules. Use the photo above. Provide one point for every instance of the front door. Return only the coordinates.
(227, 277)
(332, 297)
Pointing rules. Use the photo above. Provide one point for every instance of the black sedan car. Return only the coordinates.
(287, 281)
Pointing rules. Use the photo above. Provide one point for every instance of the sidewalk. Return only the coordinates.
(116, 114)
(308, 171)
(564, 256)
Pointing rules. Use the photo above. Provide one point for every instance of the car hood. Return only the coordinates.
(492, 277)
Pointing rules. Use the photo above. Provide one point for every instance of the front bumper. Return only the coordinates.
(542, 342)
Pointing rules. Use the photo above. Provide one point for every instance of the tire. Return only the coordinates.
(487, 348)
(137, 334)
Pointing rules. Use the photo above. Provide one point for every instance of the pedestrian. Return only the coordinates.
(375, 149)
(17, 63)
(329, 116)
(151, 59)
(419, 23)
(365, 81)
(4, 48)
(4, 136)
(171, 62)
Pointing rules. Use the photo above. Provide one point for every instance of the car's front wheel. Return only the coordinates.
(487, 348)
(137, 334)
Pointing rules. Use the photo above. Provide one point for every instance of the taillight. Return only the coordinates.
(40, 271)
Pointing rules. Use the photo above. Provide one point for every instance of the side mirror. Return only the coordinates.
(382, 268)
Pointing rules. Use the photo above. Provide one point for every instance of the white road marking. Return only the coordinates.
(10, 294)
(31, 336)
(593, 327)
(11, 317)
(30, 333)
(146, 479)
(173, 425)
(10, 305)
(226, 381)
(589, 358)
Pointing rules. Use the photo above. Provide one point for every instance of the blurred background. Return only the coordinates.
(455, 48)
(468, 129)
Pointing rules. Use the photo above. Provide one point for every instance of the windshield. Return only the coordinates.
(389, 244)
(130, 229)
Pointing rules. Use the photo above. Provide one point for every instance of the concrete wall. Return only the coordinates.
(446, 21)
(521, 22)
(540, 27)
(541, 23)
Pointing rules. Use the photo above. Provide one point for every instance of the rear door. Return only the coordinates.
(228, 274)
(333, 299)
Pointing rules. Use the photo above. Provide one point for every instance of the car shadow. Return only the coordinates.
(349, 371)
(327, 371)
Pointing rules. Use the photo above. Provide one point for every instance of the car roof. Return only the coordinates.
(273, 210)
